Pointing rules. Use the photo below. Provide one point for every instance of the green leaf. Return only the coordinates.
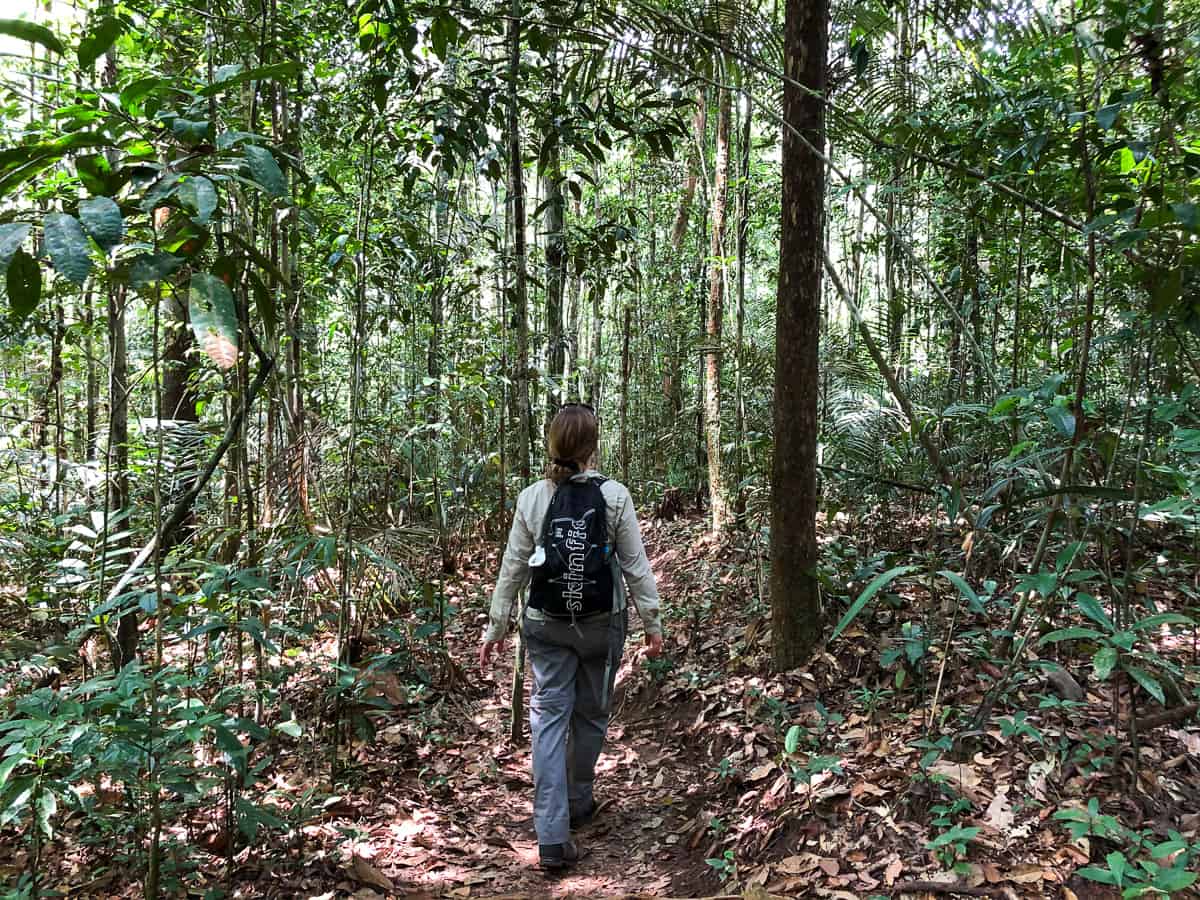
(1172, 880)
(1106, 116)
(24, 283)
(265, 170)
(291, 728)
(32, 32)
(1188, 214)
(46, 807)
(8, 764)
(96, 42)
(1148, 682)
(214, 319)
(12, 236)
(965, 589)
(151, 268)
(1090, 607)
(1095, 873)
(877, 584)
(1062, 419)
(236, 75)
(102, 218)
(1104, 662)
(1166, 289)
(1163, 619)
(68, 247)
(1044, 583)
(1071, 634)
(228, 742)
(792, 740)
(953, 835)
(200, 194)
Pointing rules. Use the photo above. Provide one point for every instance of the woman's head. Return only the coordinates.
(574, 436)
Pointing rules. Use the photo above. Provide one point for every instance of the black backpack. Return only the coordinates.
(575, 578)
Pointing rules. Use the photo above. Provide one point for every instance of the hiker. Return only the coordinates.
(573, 536)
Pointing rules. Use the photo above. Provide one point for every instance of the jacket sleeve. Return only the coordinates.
(635, 566)
(514, 575)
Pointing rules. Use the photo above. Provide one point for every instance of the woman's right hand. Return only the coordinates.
(487, 650)
(654, 645)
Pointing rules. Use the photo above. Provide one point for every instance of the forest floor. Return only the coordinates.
(699, 794)
(700, 798)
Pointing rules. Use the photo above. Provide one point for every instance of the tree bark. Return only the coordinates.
(714, 319)
(516, 197)
(556, 271)
(795, 594)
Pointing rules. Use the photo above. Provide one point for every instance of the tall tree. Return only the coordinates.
(713, 320)
(516, 199)
(795, 592)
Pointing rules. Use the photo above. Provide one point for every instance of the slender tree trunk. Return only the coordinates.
(743, 230)
(795, 592)
(125, 649)
(516, 197)
(714, 318)
(626, 373)
(556, 259)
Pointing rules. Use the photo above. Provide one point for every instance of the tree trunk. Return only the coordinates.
(626, 372)
(795, 592)
(556, 259)
(743, 228)
(516, 197)
(124, 650)
(714, 318)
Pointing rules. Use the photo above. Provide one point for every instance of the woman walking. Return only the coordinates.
(574, 535)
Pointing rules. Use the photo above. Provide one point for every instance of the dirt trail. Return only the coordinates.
(456, 820)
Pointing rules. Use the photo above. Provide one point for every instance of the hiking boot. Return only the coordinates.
(558, 856)
(584, 816)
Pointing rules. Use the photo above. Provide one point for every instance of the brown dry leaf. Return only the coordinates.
(1026, 873)
(893, 871)
(999, 812)
(366, 873)
(758, 773)
(796, 865)
(962, 775)
(829, 866)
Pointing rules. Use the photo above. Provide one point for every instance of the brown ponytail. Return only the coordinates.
(574, 436)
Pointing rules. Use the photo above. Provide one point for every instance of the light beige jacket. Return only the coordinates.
(626, 539)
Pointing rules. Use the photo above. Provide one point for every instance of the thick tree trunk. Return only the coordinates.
(714, 318)
(795, 592)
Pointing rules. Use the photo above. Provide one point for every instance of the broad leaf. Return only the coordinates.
(32, 32)
(1148, 682)
(214, 319)
(1104, 662)
(265, 171)
(1090, 607)
(12, 235)
(877, 584)
(24, 283)
(965, 589)
(102, 218)
(235, 75)
(1062, 419)
(792, 740)
(151, 268)
(200, 194)
(68, 247)
(99, 38)
(1071, 634)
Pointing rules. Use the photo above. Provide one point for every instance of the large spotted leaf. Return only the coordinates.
(214, 319)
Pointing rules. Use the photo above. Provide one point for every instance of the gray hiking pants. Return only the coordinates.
(574, 667)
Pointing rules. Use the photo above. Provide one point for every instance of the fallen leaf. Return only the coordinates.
(368, 874)
(829, 866)
(758, 773)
